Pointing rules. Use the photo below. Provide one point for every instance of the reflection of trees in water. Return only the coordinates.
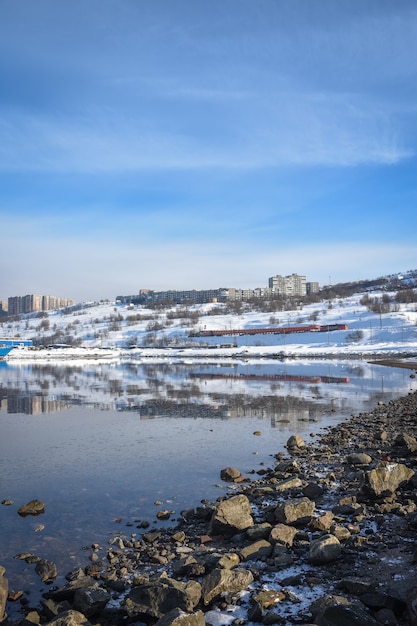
(356, 370)
(273, 404)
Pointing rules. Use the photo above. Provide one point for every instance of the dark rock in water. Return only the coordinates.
(229, 474)
(34, 507)
(295, 441)
(4, 590)
(232, 516)
(46, 570)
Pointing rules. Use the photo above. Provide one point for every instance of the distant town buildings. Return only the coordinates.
(278, 286)
(17, 305)
(293, 285)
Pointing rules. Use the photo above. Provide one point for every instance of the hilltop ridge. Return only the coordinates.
(379, 320)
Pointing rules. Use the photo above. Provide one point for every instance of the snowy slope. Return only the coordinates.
(113, 331)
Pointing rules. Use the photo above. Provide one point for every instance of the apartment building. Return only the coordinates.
(32, 303)
(292, 285)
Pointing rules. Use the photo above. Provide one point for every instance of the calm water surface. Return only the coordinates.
(99, 444)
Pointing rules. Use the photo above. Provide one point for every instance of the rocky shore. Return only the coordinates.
(327, 535)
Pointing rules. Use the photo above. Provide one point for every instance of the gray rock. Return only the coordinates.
(221, 580)
(289, 483)
(298, 510)
(283, 534)
(322, 522)
(386, 478)
(295, 441)
(155, 599)
(359, 458)
(31, 619)
(4, 590)
(69, 618)
(257, 550)
(51, 609)
(312, 490)
(232, 516)
(324, 549)
(230, 474)
(67, 592)
(259, 531)
(357, 586)
(407, 442)
(176, 617)
(90, 600)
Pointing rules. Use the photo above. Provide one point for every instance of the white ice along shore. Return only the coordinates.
(116, 332)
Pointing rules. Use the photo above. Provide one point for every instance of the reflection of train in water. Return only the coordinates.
(287, 378)
(282, 330)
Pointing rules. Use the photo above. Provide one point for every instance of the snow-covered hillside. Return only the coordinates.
(378, 324)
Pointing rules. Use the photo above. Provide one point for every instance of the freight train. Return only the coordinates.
(282, 330)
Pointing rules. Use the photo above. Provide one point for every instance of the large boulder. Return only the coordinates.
(324, 549)
(296, 511)
(34, 507)
(230, 474)
(385, 479)
(224, 581)
(282, 534)
(91, 600)
(232, 516)
(155, 599)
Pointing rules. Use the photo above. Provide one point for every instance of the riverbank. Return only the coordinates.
(334, 518)
(388, 353)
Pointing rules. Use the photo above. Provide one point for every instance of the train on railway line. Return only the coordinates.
(280, 330)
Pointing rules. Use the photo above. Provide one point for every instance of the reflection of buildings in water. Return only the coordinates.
(311, 414)
(32, 405)
(154, 410)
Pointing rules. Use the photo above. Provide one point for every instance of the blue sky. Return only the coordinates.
(197, 144)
